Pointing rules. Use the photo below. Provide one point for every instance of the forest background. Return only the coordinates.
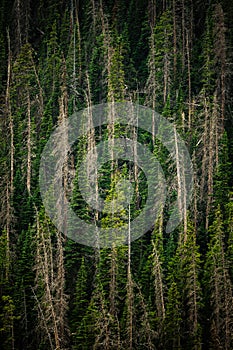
(165, 290)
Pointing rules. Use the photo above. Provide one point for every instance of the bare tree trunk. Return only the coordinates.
(44, 272)
(211, 164)
(29, 152)
(157, 272)
(129, 289)
(174, 38)
(220, 53)
(40, 98)
(18, 16)
(181, 192)
(8, 222)
(195, 192)
(91, 147)
(183, 33)
(60, 304)
(151, 83)
(63, 115)
(8, 106)
(10, 182)
(93, 14)
(166, 68)
(77, 71)
(205, 146)
(189, 82)
(152, 13)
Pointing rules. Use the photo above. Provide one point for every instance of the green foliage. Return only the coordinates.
(165, 291)
(185, 288)
(222, 176)
(7, 319)
(80, 304)
(160, 58)
(173, 320)
(208, 71)
(4, 260)
(219, 287)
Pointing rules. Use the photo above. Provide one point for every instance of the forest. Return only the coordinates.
(159, 288)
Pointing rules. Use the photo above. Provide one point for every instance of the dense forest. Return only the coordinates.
(167, 289)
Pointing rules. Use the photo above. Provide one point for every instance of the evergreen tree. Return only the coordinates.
(219, 288)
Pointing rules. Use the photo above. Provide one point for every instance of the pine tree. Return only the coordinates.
(23, 295)
(186, 291)
(7, 321)
(80, 303)
(219, 288)
(160, 67)
(173, 320)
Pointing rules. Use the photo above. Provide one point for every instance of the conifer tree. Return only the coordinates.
(219, 288)
(160, 68)
(173, 320)
(186, 291)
